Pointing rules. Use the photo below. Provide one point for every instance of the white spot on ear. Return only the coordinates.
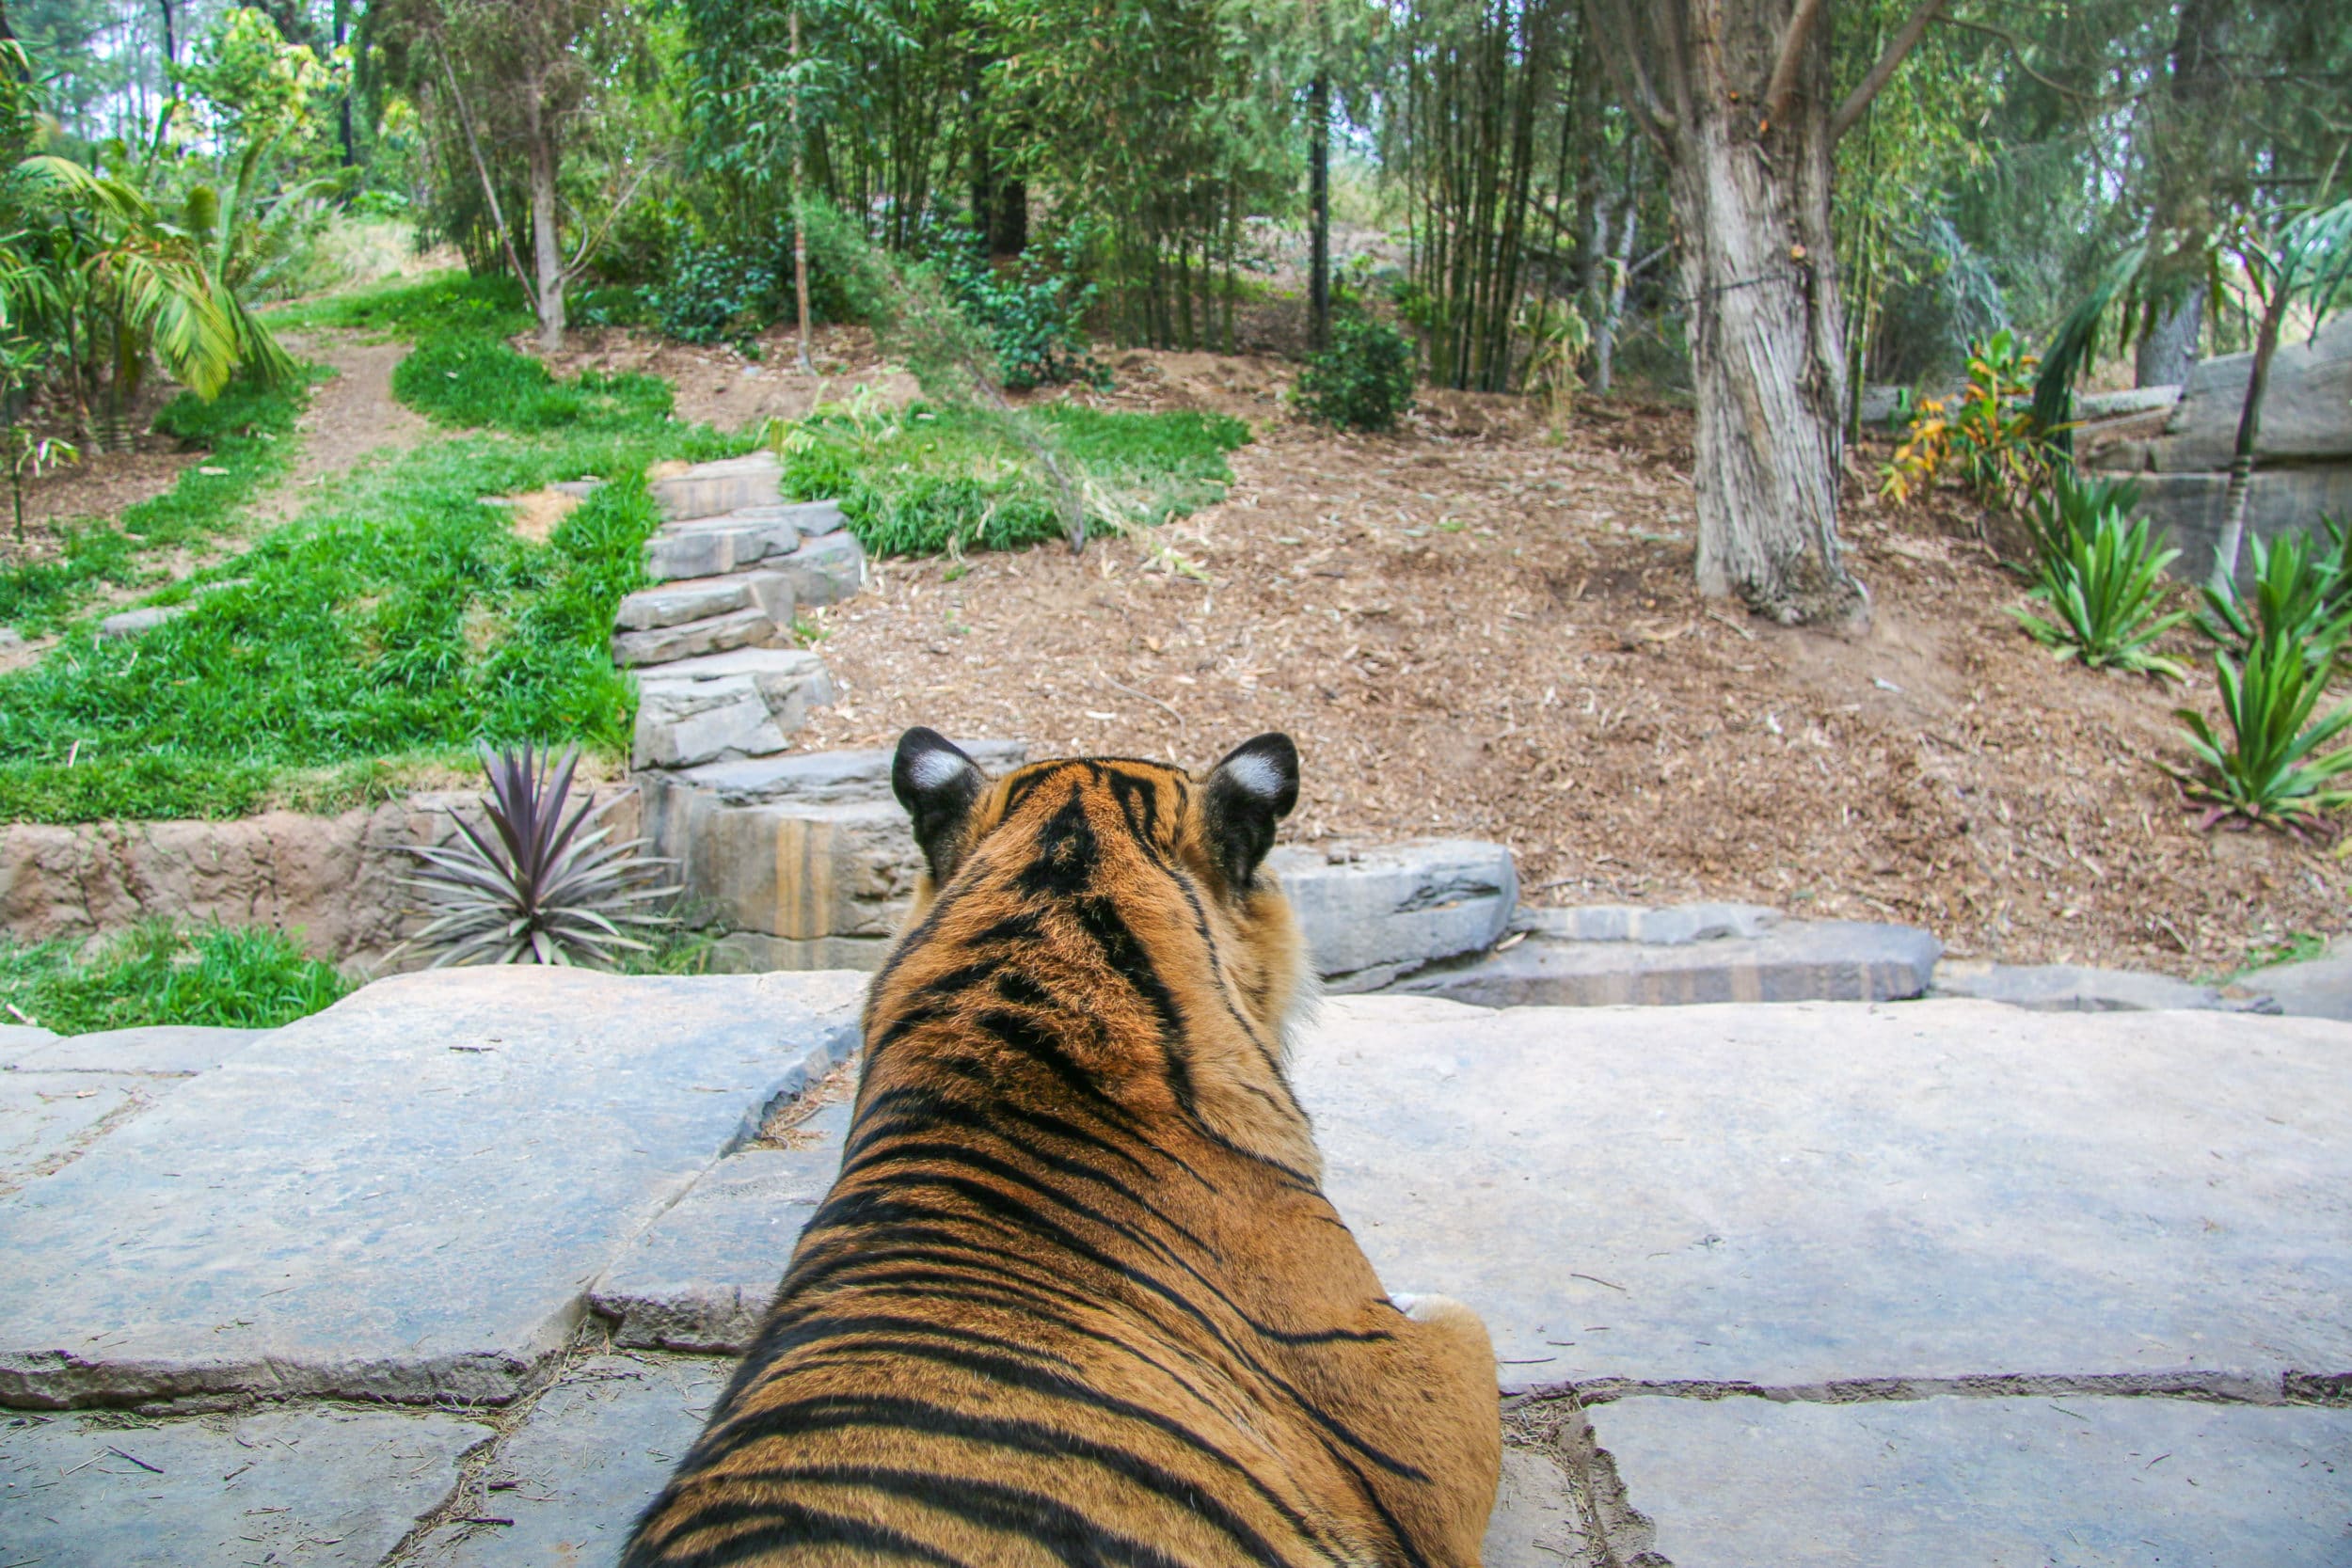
(936, 769)
(1256, 773)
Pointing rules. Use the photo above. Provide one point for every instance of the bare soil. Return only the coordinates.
(350, 417)
(719, 386)
(1475, 631)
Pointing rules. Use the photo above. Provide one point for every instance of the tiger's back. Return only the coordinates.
(1077, 1294)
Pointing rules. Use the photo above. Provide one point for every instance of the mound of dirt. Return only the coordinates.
(1473, 629)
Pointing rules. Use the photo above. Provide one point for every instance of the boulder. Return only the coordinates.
(831, 776)
(157, 1049)
(131, 623)
(741, 704)
(1372, 914)
(826, 569)
(2307, 407)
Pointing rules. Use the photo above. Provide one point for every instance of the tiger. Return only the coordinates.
(1077, 1294)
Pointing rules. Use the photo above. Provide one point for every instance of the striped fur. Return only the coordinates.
(1077, 1295)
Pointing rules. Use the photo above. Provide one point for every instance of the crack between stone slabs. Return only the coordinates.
(2290, 1387)
(1556, 1425)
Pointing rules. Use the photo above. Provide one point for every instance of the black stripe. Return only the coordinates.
(777, 1524)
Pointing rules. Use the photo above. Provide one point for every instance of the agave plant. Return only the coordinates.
(2299, 597)
(2070, 507)
(2274, 772)
(2105, 587)
(537, 889)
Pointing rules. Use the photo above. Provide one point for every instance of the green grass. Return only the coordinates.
(237, 977)
(928, 479)
(247, 434)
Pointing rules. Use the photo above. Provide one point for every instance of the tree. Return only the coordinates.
(1734, 96)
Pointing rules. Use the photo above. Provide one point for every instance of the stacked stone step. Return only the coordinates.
(731, 568)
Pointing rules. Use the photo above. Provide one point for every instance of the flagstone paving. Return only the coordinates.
(1999, 1272)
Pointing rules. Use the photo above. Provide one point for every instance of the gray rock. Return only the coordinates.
(18, 1038)
(817, 517)
(736, 704)
(421, 1182)
(2079, 988)
(711, 489)
(1372, 914)
(701, 1277)
(2071, 1482)
(131, 623)
(1847, 1196)
(46, 1118)
(1790, 960)
(1671, 925)
(831, 776)
(804, 871)
(2128, 401)
(166, 1048)
(1537, 1521)
(2307, 407)
(578, 489)
(824, 570)
(2188, 510)
(676, 603)
(2318, 987)
(595, 1448)
(749, 628)
(284, 1486)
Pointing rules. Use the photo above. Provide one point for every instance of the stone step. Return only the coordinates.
(824, 570)
(698, 598)
(713, 547)
(814, 777)
(2081, 988)
(1612, 955)
(1375, 914)
(725, 707)
(708, 489)
(738, 628)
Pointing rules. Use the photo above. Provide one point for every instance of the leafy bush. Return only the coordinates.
(1035, 318)
(2301, 596)
(1363, 381)
(2272, 772)
(1990, 439)
(710, 294)
(229, 976)
(2105, 587)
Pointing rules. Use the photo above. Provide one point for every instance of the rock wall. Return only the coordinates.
(334, 880)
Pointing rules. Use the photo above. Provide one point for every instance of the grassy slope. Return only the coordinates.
(160, 973)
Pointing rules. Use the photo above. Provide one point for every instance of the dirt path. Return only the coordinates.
(351, 417)
(1474, 631)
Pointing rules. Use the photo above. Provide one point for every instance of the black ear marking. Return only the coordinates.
(937, 784)
(1251, 790)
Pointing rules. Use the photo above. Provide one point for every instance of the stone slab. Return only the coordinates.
(748, 627)
(414, 1190)
(131, 623)
(804, 872)
(1788, 960)
(318, 1486)
(164, 1049)
(2039, 1483)
(595, 1448)
(46, 1116)
(18, 1037)
(2188, 510)
(2317, 988)
(827, 776)
(1372, 915)
(1536, 1522)
(709, 489)
(1831, 1194)
(824, 570)
(2081, 988)
(756, 952)
(701, 1277)
(696, 722)
(1666, 926)
(672, 602)
(2307, 405)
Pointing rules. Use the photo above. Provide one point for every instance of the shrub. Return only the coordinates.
(2272, 772)
(2105, 589)
(1363, 381)
(237, 977)
(1035, 317)
(1990, 438)
(2301, 597)
(713, 292)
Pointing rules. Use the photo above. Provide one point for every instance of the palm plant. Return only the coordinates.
(536, 889)
(2104, 586)
(2272, 772)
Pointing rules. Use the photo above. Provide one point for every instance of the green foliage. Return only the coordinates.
(1035, 316)
(2272, 770)
(2104, 585)
(468, 381)
(931, 479)
(225, 976)
(1363, 381)
(709, 294)
(490, 307)
(2302, 596)
(1990, 438)
(2069, 509)
(247, 434)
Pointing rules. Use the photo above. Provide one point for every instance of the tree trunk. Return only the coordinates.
(1619, 271)
(1748, 180)
(2168, 351)
(171, 41)
(546, 253)
(800, 216)
(2250, 423)
(1319, 213)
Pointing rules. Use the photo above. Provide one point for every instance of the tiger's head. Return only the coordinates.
(1181, 860)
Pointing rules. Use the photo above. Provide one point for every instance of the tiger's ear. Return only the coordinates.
(937, 784)
(1251, 790)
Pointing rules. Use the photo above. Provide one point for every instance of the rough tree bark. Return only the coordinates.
(1735, 95)
(541, 158)
(1319, 212)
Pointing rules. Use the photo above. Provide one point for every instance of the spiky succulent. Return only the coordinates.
(536, 889)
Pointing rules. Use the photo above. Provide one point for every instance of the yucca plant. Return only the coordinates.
(2299, 598)
(2070, 506)
(2105, 589)
(2274, 771)
(536, 889)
